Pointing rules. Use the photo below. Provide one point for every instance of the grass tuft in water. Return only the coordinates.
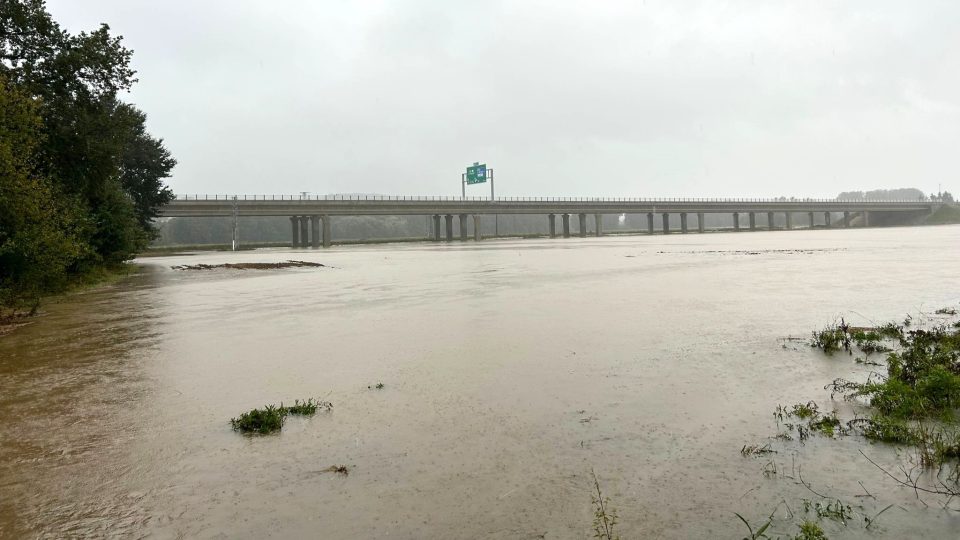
(604, 516)
(810, 531)
(262, 421)
(270, 418)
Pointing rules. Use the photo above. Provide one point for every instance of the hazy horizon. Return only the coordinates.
(560, 99)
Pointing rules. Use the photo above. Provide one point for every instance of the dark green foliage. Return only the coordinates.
(41, 228)
(80, 178)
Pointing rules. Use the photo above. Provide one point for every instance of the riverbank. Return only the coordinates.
(24, 312)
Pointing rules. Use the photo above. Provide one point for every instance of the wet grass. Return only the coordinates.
(270, 418)
(911, 401)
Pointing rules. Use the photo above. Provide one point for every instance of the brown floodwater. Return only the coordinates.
(511, 370)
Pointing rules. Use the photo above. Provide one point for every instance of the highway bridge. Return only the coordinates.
(312, 217)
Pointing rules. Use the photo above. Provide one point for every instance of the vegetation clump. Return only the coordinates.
(262, 421)
(270, 418)
(810, 531)
(811, 420)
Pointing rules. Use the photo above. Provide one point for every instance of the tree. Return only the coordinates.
(91, 160)
(40, 228)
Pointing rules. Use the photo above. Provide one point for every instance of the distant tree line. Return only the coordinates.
(81, 180)
(902, 194)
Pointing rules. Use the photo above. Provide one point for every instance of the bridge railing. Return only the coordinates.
(452, 198)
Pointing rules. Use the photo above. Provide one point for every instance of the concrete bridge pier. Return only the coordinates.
(826, 219)
(700, 225)
(327, 230)
(566, 225)
(683, 222)
(553, 225)
(476, 228)
(448, 219)
(866, 218)
(598, 221)
(463, 227)
(649, 223)
(811, 219)
(583, 225)
(666, 223)
(295, 226)
(315, 231)
(753, 221)
(304, 231)
(788, 219)
(770, 220)
(846, 219)
(736, 221)
(436, 228)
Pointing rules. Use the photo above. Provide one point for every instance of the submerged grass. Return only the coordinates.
(270, 418)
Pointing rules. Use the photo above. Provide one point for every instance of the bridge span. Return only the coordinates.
(311, 217)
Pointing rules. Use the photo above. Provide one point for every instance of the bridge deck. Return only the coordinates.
(260, 205)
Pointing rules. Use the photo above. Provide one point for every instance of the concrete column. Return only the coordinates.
(866, 218)
(736, 221)
(826, 219)
(295, 227)
(753, 221)
(304, 230)
(476, 228)
(666, 223)
(566, 225)
(811, 219)
(436, 228)
(315, 231)
(583, 225)
(449, 223)
(463, 227)
(846, 219)
(683, 222)
(553, 225)
(770, 220)
(649, 223)
(598, 219)
(788, 219)
(327, 231)
(701, 226)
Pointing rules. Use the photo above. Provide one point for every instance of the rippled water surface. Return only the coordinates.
(511, 369)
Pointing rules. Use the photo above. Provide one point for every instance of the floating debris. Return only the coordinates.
(250, 266)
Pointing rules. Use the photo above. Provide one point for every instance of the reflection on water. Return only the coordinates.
(511, 369)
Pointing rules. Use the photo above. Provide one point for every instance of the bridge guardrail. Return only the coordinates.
(453, 198)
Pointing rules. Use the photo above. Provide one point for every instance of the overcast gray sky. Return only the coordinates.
(655, 97)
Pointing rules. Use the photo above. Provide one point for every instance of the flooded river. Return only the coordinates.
(511, 370)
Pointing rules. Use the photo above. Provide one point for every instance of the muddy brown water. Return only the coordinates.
(511, 369)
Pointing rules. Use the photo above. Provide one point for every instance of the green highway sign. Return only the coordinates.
(476, 174)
